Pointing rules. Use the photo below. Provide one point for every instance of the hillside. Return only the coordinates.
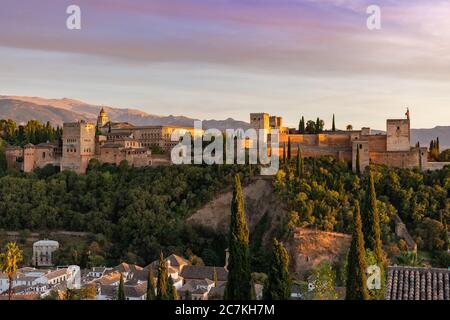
(57, 111)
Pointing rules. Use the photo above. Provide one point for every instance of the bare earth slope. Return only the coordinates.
(307, 248)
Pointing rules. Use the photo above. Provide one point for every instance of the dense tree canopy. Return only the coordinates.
(323, 198)
(33, 132)
(138, 211)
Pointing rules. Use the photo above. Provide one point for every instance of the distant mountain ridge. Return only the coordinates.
(57, 111)
(21, 109)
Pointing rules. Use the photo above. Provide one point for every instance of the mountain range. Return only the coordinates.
(21, 109)
(58, 111)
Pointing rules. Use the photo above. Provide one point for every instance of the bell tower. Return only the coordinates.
(102, 119)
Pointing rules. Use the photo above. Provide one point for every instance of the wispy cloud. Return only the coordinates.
(325, 40)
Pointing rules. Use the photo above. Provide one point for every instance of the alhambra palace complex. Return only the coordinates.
(112, 142)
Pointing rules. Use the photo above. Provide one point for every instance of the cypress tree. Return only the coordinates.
(239, 278)
(278, 283)
(333, 126)
(161, 288)
(289, 149)
(371, 221)
(171, 291)
(121, 290)
(302, 125)
(284, 153)
(318, 125)
(300, 163)
(438, 146)
(356, 286)
(358, 161)
(216, 280)
(151, 286)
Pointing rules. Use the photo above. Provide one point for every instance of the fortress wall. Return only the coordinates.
(11, 155)
(44, 156)
(299, 139)
(28, 159)
(340, 140)
(436, 165)
(377, 143)
(400, 159)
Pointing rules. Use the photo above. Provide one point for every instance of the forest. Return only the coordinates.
(132, 213)
(321, 193)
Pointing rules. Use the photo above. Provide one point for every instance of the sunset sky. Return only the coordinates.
(226, 58)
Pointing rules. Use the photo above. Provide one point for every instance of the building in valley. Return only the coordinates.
(43, 252)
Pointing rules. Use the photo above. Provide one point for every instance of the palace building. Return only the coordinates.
(108, 142)
(114, 142)
(392, 148)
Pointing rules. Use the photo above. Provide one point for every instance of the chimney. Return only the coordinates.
(227, 255)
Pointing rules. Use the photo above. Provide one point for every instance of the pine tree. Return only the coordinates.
(356, 263)
(239, 278)
(161, 287)
(300, 164)
(358, 161)
(371, 222)
(333, 126)
(278, 283)
(151, 286)
(121, 290)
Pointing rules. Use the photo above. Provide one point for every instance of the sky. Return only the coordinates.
(214, 59)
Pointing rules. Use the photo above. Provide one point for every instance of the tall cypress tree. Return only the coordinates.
(278, 283)
(161, 288)
(151, 286)
(358, 161)
(284, 153)
(300, 163)
(239, 278)
(438, 147)
(171, 290)
(333, 126)
(289, 149)
(121, 290)
(371, 221)
(302, 125)
(356, 264)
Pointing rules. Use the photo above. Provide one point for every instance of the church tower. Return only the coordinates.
(102, 119)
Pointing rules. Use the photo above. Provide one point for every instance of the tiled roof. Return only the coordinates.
(135, 291)
(408, 283)
(202, 272)
(125, 267)
(176, 261)
(56, 273)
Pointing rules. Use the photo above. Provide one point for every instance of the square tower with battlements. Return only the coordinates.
(78, 146)
(398, 135)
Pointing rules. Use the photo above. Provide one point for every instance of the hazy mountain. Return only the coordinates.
(424, 136)
(57, 111)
